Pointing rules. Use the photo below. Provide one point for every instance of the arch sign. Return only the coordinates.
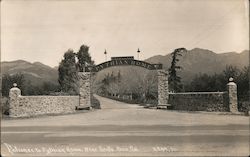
(121, 61)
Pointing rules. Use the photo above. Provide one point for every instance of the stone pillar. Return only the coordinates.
(84, 90)
(14, 102)
(232, 96)
(162, 88)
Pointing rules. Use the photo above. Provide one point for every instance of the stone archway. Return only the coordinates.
(85, 78)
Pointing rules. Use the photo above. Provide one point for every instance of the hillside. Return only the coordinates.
(198, 60)
(34, 73)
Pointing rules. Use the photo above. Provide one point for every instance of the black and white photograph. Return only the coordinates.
(125, 78)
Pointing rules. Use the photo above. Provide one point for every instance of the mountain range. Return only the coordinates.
(34, 73)
(198, 60)
(193, 62)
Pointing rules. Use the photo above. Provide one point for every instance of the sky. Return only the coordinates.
(44, 30)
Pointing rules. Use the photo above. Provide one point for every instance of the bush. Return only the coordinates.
(152, 101)
(244, 106)
(8, 80)
(95, 103)
(5, 106)
(47, 88)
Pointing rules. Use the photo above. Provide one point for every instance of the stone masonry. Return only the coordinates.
(14, 102)
(162, 88)
(207, 101)
(232, 96)
(85, 89)
(26, 106)
(199, 101)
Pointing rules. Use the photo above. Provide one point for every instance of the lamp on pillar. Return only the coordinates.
(15, 84)
(105, 53)
(138, 53)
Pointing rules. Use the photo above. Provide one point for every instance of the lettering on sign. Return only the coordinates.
(122, 62)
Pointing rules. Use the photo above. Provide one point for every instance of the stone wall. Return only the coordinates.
(85, 90)
(162, 87)
(232, 96)
(26, 106)
(40, 105)
(200, 101)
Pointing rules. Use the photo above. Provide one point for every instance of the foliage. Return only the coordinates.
(147, 88)
(4, 106)
(231, 71)
(207, 83)
(27, 89)
(142, 88)
(174, 80)
(70, 66)
(9, 80)
(243, 83)
(95, 103)
(68, 73)
(110, 84)
(218, 82)
(84, 58)
(47, 88)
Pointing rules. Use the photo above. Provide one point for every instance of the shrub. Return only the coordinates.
(244, 106)
(5, 106)
(95, 103)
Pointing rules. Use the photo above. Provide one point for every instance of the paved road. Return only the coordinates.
(120, 129)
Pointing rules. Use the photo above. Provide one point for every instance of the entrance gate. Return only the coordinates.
(85, 78)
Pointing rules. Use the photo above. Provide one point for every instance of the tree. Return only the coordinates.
(103, 86)
(34, 90)
(243, 83)
(48, 88)
(84, 58)
(231, 71)
(9, 80)
(69, 67)
(174, 80)
(68, 73)
(207, 83)
(218, 82)
(119, 76)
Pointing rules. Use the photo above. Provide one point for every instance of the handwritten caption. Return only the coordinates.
(13, 149)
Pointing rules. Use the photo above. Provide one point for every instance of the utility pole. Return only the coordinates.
(138, 53)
